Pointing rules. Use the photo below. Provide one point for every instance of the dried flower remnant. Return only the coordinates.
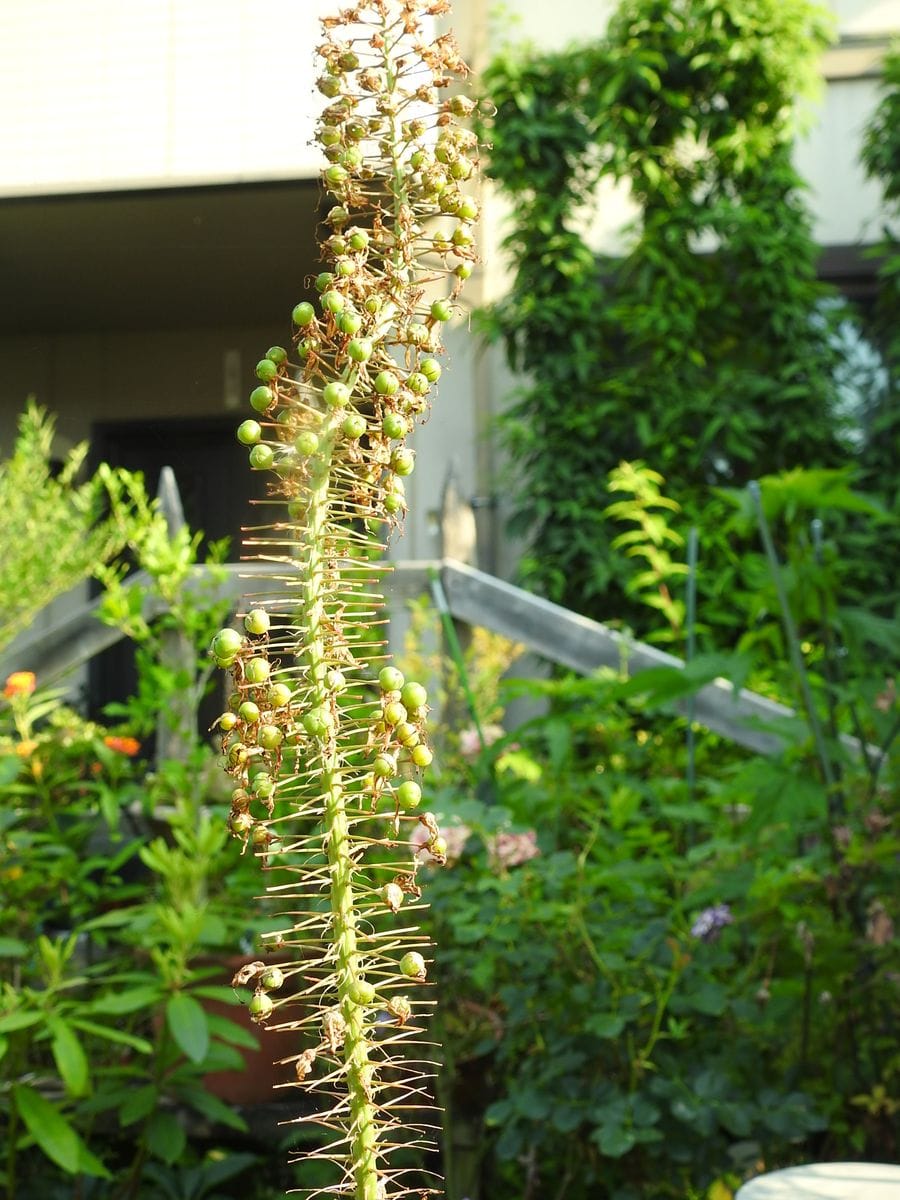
(325, 741)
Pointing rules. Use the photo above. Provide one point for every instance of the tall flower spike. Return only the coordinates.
(325, 740)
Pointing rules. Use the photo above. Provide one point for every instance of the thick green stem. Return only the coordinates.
(357, 1065)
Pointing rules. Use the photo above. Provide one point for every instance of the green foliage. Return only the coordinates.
(77, 525)
(102, 978)
(707, 349)
(651, 986)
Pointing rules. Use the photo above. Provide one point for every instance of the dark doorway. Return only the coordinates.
(216, 489)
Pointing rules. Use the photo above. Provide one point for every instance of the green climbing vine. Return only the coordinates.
(706, 348)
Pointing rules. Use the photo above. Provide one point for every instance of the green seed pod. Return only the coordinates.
(272, 979)
(413, 695)
(277, 354)
(421, 755)
(227, 722)
(390, 679)
(336, 395)
(431, 369)
(384, 766)
(412, 965)
(257, 621)
(261, 398)
(266, 370)
(407, 734)
(269, 737)
(240, 823)
(227, 643)
(249, 712)
(304, 314)
(409, 794)
(257, 671)
(403, 460)
(394, 426)
(361, 992)
(278, 695)
(360, 349)
(353, 426)
(394, 713)
(386, 383)
(307, 442)
(333, 301)
(261, 1007)
(262, 457)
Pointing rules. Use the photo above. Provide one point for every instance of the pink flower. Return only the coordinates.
(512, 849)
(470, 743)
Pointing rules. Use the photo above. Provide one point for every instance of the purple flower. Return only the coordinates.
(708, 923)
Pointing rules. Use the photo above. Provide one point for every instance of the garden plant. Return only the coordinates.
(324, 739)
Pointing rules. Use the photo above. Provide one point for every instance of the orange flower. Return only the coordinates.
(26, 749)
(20, 683)
(125, 745)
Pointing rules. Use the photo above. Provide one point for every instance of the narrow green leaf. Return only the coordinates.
(117, 1003)
(112, 1035)
(212, 1107)
(71, 1061)
(166, 1137)
(18, 1020)
(54, 1135)
(139, 1104)
(188, 1025)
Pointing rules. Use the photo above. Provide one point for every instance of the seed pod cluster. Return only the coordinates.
(324, 739)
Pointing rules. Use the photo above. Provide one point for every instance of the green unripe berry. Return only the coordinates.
(329, 135)
(262, 457)
(249, 712)
(412, 965)
(226, 643)
(390, 679)
(336, 175)
(462, 270)
(431, 369)
(263, 786)
(467, 209)
(237, 754)
(349, 321)
(346, 267)
(354, 425)
(373, 305)
(406, 734)
(240, 823)
(361, 992)
(278, 695)
(304, 314)
(417, 383)
(360, 349)
(438, 847)
(358, 239)
(257, 621)
(272, 978)
(336, 680)
(269, 737)
(261, 398)
(418, 334)
(336, 394)
(403, 461)
(324, 280)
(317, 722)
(394, 503)
(421, 755)
(394, 713)
(386, 383)
(394, 426)
(409, 794)
(261, 1006)
(227, 722)
(442, 310)
(277, 354)
(384, 766)
(257, 671)
(413, 695)
(306, 442)
(266, 370)
(333, 301)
